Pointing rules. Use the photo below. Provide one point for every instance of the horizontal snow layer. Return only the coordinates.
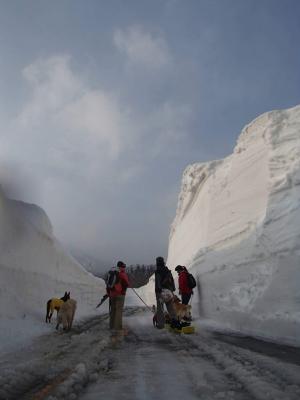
(237, 227)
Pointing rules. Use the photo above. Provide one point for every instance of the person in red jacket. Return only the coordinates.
(184, 290)
(117, 297)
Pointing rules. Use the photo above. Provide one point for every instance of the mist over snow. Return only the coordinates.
(86, 150)
(237, 229)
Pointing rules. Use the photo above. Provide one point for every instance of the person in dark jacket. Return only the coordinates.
(184, 290)
(163, 280)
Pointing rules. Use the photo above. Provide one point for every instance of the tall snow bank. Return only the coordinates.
(237, 228)
(34, 267)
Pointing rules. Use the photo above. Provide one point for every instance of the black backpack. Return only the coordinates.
(112, 278)
(191, 281)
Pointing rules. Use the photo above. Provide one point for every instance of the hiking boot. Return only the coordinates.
(185, 324)
(175, 324)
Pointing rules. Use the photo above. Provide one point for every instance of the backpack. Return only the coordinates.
(112, 278)
(191, 281)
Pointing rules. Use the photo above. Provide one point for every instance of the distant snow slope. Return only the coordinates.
(237, 228)
(33, 268)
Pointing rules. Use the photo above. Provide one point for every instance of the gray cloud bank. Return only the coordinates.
(88, 152)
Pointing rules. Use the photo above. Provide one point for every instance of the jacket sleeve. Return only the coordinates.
(180, 283)
(158, 286)
(172, 282)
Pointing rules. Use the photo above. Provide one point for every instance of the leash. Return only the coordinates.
(142, 300)
(106, 296)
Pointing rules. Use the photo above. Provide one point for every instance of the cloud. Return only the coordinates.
(99, 117)
(79, 117)
(52, 85)
(88, 153)
(69, 129)
(165, 129)
(143, 48)
(171, 121)
(69, 139)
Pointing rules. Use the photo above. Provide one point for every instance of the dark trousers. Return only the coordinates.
(185, 298)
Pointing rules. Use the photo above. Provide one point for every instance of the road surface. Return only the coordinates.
(90, 363)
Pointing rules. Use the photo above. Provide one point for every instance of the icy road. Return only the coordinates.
(90, 364)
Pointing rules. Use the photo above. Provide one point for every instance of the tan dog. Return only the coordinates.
(182, 310)
(66, 314)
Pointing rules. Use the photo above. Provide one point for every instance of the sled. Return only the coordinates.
(173, 330)
(188, 330)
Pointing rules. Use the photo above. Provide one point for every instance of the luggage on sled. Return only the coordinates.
(186, 329)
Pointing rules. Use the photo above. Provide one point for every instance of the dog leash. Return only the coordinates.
(192, 298)
(142, 300)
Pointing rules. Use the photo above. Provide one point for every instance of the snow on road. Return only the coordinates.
(89, 363)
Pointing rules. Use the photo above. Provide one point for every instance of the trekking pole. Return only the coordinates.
(102, 300)
(142, 300)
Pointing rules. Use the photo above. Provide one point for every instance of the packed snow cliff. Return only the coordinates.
(34, 268)
(237, 229)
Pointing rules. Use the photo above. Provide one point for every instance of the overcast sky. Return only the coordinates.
(104, 103)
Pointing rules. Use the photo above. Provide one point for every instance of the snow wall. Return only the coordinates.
(34, 267)
(237, 229)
